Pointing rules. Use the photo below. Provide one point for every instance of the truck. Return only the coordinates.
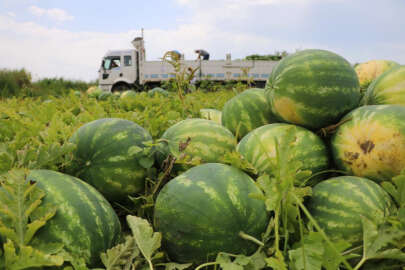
(128, 69)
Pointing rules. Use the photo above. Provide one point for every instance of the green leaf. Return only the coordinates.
(19, 204)
(27, 257)
(146, 240)
(277, 262)
(309, 255)
(226, 262)
(175, 266)
(146, 162)
(330, 260)
(378, 240)
(121, 256)
(375, 238)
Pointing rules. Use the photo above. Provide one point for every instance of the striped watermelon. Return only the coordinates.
(313, 88)
(202, 211)
(84, 221)
(338, 203)
(104, 96)
(371, 143)
(158, 91)
(389, 88)
(211, 114)
(201, 138)
(259, 148)
(247, 111)
(369, 71)
(108, 156)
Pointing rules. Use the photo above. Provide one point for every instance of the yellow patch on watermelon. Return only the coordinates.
(287, 109)
(373, 150)
(368, 71)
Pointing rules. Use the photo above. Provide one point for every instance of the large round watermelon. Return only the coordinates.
(389, 88)
(108, 156)
(259, 148)
(202, 211)
(247, 111)
(338, 204)
(84, 223)
(369, 71)
(313, 88)
(371, 142)
(196, 138)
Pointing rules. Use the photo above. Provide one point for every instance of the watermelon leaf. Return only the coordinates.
(309, 255)
(146, 162)
(378, 242)
(146, 240)
(175, 266)
(396, 190)
(314, 253)
(121, 256)
(27, 257)
(21, 216)
(277, 262)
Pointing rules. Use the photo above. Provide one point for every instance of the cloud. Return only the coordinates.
(52, 13)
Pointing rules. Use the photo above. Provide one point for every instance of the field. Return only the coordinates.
(288, 196)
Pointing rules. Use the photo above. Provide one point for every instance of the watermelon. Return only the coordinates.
(388, 88)
(369, 71)
(202, 211)
(371, 142)
(94, 92)
(104, 96)
(337, 204)
(128, 94)
(109, 156)
(84, 222)
(158, 91)
(247, 111)
(312, 88)
(258, 147)
(196, 138)
(211, 114)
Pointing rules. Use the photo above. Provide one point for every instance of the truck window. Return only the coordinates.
(127, 60)
(115, 62)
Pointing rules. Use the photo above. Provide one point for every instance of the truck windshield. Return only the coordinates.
(107, 63)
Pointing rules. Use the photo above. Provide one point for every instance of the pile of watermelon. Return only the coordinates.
(312, 95)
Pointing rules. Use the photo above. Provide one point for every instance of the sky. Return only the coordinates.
(60, 38)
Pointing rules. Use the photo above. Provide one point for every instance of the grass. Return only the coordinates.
(18, 83)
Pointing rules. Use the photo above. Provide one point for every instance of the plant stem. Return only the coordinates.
(318, 228)
(360, 264)
(251, 238)
(302, 237)
(206, 264)
(276, 228)
(150, 265)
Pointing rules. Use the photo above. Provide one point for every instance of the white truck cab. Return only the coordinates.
(125, 69)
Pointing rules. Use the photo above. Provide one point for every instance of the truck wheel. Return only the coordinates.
(120, 87)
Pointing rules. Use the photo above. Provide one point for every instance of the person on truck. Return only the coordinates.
(202, 53)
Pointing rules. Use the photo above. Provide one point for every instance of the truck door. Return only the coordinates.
(129, 68)
(111, 70)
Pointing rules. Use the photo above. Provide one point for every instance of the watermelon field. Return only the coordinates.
(305, 174)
